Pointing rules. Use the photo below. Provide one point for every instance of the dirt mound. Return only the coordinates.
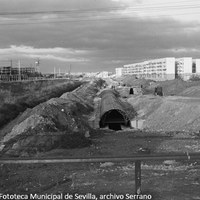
(167, 114)
(85, 93)
(17, 97)
(170, 87)
(144, 105)
(133, 81)
(123, 91)
(174, 87)
(175, 114)
(51, 124)
(193, 91)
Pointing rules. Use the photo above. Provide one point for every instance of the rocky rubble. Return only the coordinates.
(47, 125)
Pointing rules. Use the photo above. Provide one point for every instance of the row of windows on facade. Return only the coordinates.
(10, 70)
(178, 68)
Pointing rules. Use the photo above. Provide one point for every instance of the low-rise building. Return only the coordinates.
(103, 74)
(15, 70)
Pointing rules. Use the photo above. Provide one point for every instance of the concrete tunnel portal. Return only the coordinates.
(112, 113)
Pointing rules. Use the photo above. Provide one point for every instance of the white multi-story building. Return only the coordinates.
(196, 66)
(119, 71)
(103, 74)
(183, 67)
(162, 69)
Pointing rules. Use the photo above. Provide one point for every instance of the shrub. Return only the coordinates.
(195, 78)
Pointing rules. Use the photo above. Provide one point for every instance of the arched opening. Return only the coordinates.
(113, 119)
(158, 91)
(131, 91)
(114, 126)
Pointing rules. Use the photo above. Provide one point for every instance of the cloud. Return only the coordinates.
(179, 10)
(184, 50)
(57, 53)
(126, 31)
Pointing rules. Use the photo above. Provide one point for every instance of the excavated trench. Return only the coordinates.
(57, 123)
(67, 121)
(16, 97)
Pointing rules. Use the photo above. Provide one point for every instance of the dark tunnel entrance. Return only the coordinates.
(113, 119)
(131, 91)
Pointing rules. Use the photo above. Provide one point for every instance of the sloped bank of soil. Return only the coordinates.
(193, 91)
(168, 114)
(16, 97)
(175, 114)
(174, 87)
(51, 124)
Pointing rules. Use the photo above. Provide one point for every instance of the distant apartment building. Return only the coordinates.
(183, 67)
(162, 69)
(103, 74)
(8, 73)
(119, 71)
(15, 70)
(152, 69)
(196, 66)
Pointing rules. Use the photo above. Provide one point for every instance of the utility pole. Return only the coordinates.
(69, 72)
(19, 66)
(37, 65)
(10, 66)
(54, 72)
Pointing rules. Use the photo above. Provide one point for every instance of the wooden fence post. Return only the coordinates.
(138, 177)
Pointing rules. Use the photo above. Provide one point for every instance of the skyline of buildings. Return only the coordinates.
(158, 69)
(162, 69)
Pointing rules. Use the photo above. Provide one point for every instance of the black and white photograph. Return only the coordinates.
(99, 99)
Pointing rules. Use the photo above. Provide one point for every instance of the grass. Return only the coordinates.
(17, 97)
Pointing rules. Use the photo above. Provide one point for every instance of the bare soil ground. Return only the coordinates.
(168, 180)
(168, 113)
(163, 180)
(170, 87)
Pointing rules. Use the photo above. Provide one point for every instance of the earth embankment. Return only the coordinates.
(16, 97)
(59, 122)
(168, 114)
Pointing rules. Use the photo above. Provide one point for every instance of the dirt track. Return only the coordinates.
(169, 180)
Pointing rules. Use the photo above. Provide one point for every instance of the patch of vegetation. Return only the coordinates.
(195, 78)
(17, 98)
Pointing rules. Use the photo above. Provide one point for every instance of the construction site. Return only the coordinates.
(112, 136)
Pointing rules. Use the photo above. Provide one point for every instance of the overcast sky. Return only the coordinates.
(97, 35)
